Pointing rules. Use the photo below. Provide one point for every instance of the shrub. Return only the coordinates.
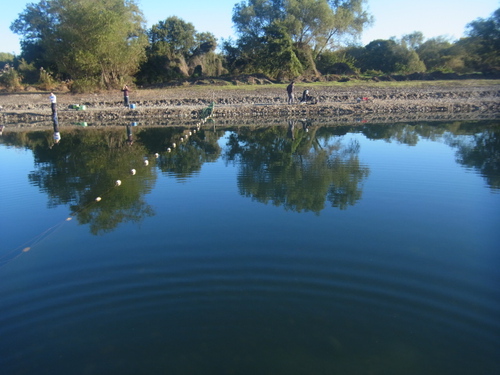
(46, 81)
(84, 85)
(10, 79)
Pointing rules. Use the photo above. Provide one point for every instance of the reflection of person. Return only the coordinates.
(305, 124)
(57, 135)
(53, 101)
(125, 95)
(289, 90)
(291, 129)
(2, 127)
(129, 135)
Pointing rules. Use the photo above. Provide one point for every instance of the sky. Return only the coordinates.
(393, 18)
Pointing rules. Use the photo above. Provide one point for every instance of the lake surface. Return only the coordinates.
(295, 249)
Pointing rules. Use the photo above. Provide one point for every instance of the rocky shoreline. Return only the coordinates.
(266, 104)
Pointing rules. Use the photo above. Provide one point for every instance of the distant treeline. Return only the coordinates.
(102, 44)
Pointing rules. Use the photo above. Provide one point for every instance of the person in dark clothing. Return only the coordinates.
(307, 98)
(289, 90)
(126, 91)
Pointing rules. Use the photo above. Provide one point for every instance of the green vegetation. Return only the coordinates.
(88, 45)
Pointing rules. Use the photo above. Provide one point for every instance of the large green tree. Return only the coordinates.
(317, 23)
(312, 26)
(484, 41)
(177, 50)
(386, 56)
(100, 42)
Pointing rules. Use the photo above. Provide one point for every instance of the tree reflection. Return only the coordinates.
(295, 168)
(85, 165)
(298, 166)
(189, 155)
(480, 151)
(477, 142)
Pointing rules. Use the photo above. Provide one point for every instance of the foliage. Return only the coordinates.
(387, 56)
(279, 59)
(99, 44)
(10, 79)
(433, 52)
(312, 26)
(484, 41)
(6, 59)
(336, 62)
(46, 81)
(29, 72)
(91, 40)
(176, 50)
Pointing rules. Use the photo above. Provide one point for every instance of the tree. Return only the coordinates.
(100, 42)
(6, 58)
(433, 52)
(380, 55)
(386, 56)
(484, 41)
(350, 18)
(176, 50)
(279, 59)
(313, 25)
(176, 33)
(413, 41)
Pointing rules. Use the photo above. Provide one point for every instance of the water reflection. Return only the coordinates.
(477, 144)
(480, 152)
(296, 168)
(299, 166)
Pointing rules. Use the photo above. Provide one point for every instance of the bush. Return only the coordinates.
(10, 79)
(28, 72)
(46, 82)
(84, 85)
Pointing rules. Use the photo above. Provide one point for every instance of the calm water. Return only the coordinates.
(270, 250)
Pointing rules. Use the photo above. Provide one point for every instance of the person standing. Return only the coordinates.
(289, 90)
(125, 95)
(53, 104)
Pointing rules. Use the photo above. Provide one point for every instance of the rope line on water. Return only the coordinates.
(27, 246)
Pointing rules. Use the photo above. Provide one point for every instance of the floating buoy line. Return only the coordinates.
(206, 114)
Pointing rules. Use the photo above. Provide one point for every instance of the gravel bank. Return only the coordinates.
(261, 105)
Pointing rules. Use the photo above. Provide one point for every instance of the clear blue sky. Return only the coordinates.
(392, 17)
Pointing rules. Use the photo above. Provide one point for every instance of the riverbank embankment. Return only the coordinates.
(254, 104)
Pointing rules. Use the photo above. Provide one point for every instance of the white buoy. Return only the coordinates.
(157, 155)
(132, 172)
(98, 199)
(118, 183)
(182, 139)
(146, 162)
(174, 145)
(168, 149)
(190, 133)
